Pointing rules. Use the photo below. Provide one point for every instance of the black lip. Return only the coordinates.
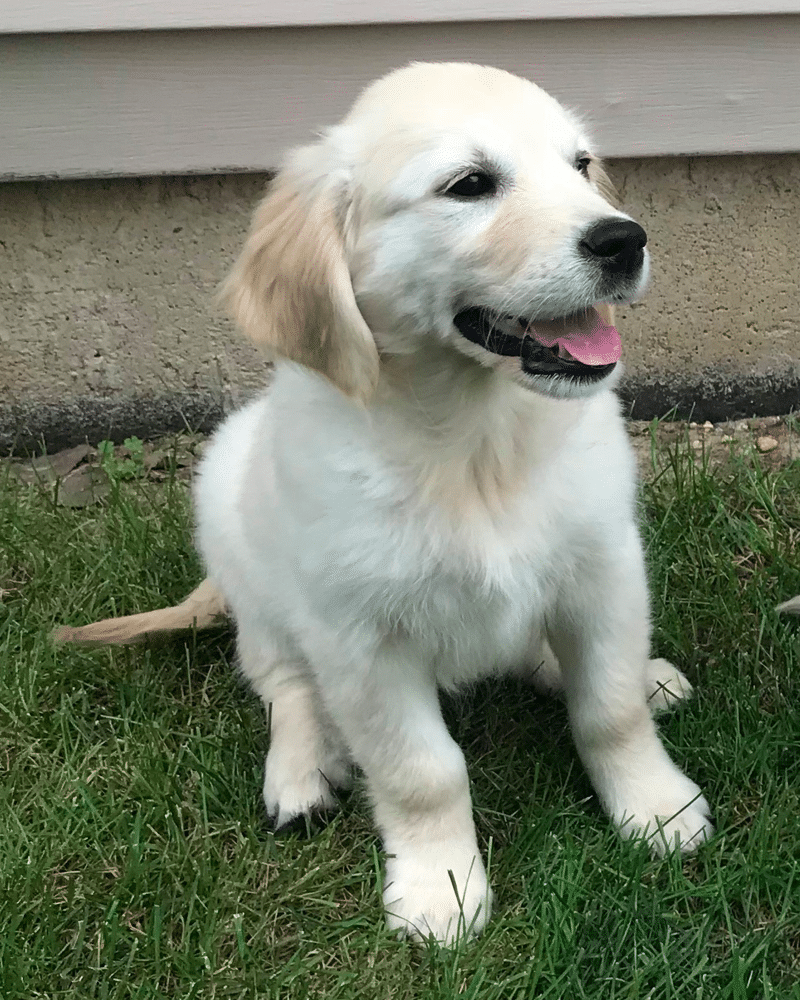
(475, 324)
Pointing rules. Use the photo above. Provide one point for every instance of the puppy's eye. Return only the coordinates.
(474, 185)
(582, 164)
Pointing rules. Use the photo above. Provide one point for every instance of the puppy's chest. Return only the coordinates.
(472, 594)
(468, 575)
(471, 626)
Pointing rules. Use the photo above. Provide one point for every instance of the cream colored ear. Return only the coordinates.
(290, 290)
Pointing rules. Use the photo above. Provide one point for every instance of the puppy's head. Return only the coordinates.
(457, 204)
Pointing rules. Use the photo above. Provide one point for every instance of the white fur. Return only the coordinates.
(457, 522)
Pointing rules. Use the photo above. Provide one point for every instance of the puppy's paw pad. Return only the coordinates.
(421, 901)
(666, 686)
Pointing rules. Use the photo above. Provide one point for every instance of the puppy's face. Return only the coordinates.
(457, 205)
(475, 214)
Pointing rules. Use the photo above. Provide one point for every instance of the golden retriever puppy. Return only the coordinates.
(437, 486)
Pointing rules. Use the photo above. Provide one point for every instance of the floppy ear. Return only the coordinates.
(290, 290)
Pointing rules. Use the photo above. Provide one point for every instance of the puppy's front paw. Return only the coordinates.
(423, 900)
(666, 686)
(669, 810)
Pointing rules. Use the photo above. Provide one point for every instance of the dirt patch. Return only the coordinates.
(774, 441)
(80, 475)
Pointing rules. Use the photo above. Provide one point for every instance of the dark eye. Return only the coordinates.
(474, 185)
(582, 164)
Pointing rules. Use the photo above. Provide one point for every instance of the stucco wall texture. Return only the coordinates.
(108, 325)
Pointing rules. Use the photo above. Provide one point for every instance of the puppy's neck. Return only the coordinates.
(467, 436)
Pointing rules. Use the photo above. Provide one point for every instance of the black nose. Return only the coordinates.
(617, 244)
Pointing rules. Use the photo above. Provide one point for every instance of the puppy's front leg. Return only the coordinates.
(601, 635)
(389, 714)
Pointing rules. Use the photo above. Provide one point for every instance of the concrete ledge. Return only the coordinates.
(712, 395)
(31, 428)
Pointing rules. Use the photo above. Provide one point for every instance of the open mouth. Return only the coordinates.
(580, 346)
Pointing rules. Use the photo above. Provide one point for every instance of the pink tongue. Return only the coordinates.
(587, 338)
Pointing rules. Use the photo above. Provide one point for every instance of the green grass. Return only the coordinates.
(135, 861)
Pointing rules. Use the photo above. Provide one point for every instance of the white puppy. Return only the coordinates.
(437, 486)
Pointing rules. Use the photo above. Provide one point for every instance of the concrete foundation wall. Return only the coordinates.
(108, 327)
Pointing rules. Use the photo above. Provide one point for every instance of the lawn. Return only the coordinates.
(136, 862)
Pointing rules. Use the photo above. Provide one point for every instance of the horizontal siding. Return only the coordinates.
(179, 102)
(126, 15)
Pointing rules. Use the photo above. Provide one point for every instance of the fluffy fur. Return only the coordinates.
(405, 511)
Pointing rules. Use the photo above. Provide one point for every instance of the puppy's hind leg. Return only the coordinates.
(542, 669)
(307, 760)
(665, 685)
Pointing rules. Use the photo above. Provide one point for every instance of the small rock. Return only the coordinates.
(84, 486)
(693, 425)
(771, 421)
(766, 443)
(697, 445)
(742, 425)
(708, 426)
(49, 468)
(727, 437)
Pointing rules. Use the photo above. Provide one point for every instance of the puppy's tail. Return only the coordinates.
(792, 607)
(201, 609)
